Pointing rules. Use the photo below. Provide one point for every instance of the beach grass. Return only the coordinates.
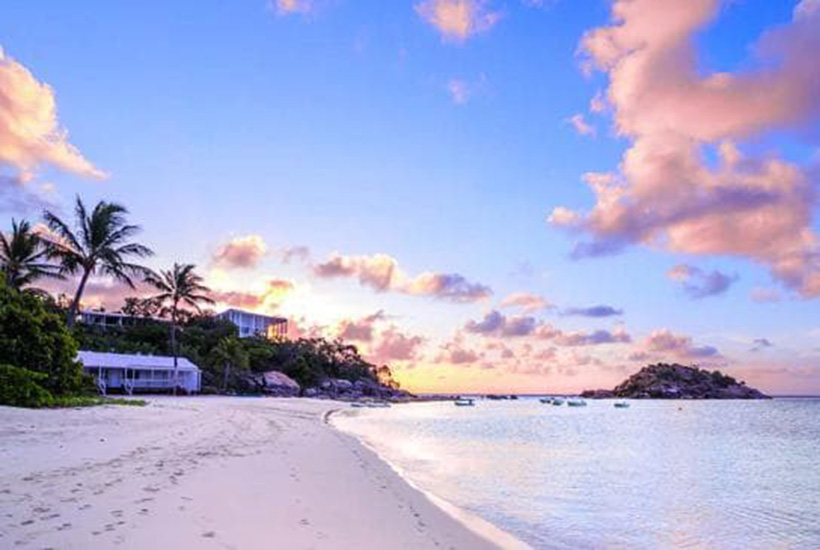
(92, 401)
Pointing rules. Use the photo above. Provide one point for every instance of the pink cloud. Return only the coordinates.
(270, 298)
(698, 283)
(287, 7)
(529, 303)
(455, 352)
(242, 252)
(581, 126)
(458, 20)
(496, 324)
(665, 194)
(361, 330)
(381, 273)
(393, 345)
(663, 344)
(30, 134)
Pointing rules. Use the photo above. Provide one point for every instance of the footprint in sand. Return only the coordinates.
(209, 534)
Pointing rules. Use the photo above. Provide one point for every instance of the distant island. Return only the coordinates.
(665, 381)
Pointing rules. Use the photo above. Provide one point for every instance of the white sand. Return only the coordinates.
(207, 472)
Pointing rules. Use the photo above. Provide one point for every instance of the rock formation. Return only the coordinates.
(665, 381)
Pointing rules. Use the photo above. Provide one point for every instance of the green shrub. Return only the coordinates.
(21, 388)
(34, 338)
(87, 401)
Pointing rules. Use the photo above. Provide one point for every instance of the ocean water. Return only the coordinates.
(660, 474)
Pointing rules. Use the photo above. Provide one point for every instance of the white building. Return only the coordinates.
(106, 320)
(141, 373)
(254, 324)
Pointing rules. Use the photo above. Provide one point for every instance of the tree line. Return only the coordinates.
(102, 242)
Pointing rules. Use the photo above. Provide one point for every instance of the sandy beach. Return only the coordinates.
(206, 473)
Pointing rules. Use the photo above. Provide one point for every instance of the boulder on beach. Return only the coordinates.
(280, 384)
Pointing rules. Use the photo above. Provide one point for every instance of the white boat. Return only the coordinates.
(464, 402)
(546, 400)
(557, 401)
(621, 405)
(577, 403)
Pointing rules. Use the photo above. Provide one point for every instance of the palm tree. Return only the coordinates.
(101, 244)
(23, 256)
(231, 354)
(178, 288)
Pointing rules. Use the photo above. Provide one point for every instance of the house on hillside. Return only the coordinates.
(255, 324)
(132, 373)
(106, 320)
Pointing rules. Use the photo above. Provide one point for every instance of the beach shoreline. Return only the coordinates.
(220, 472)
(483, 528)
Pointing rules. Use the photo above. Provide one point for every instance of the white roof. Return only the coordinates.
(93, 359)
(270, 318)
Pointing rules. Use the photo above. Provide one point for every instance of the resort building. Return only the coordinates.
(106, 320)
(139, 373)
(254, 324)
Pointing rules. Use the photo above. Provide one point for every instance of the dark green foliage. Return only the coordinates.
(722, 380)
(34, 338)
(150, 338)
(21, 388)
(23, 258)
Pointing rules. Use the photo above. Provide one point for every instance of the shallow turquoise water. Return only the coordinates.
(661, 474)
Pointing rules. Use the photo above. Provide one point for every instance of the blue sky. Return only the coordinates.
(338, 127)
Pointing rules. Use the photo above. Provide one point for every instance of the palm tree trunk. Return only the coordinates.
(174, 345)
(227, 373)
(75, 305)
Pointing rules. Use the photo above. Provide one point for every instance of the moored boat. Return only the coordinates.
(469, 402)
(557, 401)
(577, 403)
(621, 405)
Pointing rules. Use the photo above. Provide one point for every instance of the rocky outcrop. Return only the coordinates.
(337, 388)
(597, 394)
(273, 383)
(280, 384)
(664, 381)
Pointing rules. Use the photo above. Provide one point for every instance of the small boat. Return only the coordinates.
(358, 405)
(546, 400)
(378, 405)
(464, 402)
(557, 401)
(577, 403)
(621, 405)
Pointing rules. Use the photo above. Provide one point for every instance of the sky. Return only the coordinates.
(487, 195)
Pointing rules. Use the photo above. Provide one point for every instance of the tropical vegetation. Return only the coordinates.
(101, 243)
(180, 288)
(39, 339)
(23, 257)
